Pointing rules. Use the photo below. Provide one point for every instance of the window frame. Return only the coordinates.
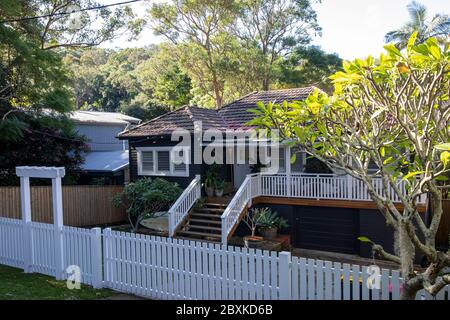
(171, 172)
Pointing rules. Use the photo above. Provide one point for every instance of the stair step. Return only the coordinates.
(213, 204)
(210, 210)
(205, 221)
(201, 234)
(211, 216)
(196, 226)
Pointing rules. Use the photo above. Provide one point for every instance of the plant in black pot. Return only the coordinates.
(269, 223)
(211, 178)
(251, 220)
(219, 186)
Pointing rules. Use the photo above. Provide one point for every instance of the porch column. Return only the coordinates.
(287, 157)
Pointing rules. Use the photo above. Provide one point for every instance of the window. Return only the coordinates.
(163, 161)
(147, 161)
(282, 160)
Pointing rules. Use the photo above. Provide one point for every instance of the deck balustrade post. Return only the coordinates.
(349, 187)
(171, 223)
(289, 185)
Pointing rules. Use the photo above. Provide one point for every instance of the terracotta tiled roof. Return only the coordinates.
(236, 114)
(231, 116)
(182, 118)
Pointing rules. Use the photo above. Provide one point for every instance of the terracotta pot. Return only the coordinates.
(219, 193)
(209, 192)
(269, 233)
(250, 241)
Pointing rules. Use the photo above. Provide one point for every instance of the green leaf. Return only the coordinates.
(412, 40)
(442, 178)
(321, 128)
(443, 146)
(382, 151)
(294, 158)
(392, 50)
(364, 239)
(445, 158)
(388, 160)
(412, 174)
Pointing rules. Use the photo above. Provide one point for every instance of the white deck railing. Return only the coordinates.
(326, 186)
(184, 203)
(309, 186)
(234, 209)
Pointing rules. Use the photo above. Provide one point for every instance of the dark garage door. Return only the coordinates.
(326, 229)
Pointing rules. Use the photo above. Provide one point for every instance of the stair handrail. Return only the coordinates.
(242, 198)
(180, 209)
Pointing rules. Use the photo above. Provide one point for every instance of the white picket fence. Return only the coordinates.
(326, 280)
(33, 247)
(165, 268)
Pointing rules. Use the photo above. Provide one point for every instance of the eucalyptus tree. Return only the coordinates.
(206, 49)
(275, 27)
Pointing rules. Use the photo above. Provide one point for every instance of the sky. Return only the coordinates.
(350, 28)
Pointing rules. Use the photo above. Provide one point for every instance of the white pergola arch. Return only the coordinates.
(56, 174)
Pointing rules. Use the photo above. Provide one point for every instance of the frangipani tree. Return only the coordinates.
(392, 112)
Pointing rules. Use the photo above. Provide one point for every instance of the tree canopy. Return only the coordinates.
(229, 48)
(35, 91)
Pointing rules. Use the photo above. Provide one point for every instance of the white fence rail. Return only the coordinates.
(11, 242)
(325, 280)
(32, 247)
(165, 268)
(184, 203)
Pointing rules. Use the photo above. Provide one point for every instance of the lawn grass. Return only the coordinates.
(17, 285)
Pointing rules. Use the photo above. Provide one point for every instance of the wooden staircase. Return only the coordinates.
(204, 223)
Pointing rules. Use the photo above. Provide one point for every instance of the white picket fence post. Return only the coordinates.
(58, 224)
(25, 204)
(284, 271)
(97, 258)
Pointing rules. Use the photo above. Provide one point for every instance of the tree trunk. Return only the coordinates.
(266, 83)
(409, 293)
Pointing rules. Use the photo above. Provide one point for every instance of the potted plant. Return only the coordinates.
(251, 220)
(209, 183)
(219, 187)
(269, 223)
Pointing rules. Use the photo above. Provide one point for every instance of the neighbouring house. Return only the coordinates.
(326, 210)
(107, 161)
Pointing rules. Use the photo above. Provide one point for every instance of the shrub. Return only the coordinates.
(143, 198)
